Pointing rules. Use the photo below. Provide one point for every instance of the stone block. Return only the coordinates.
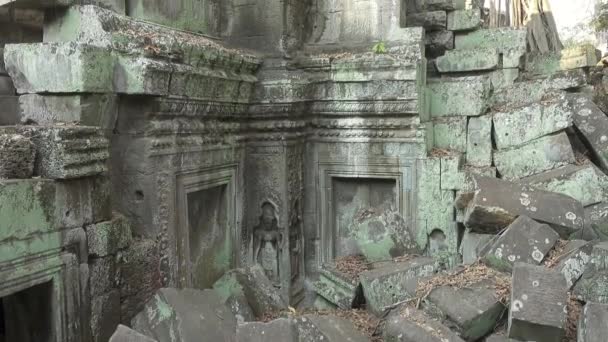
(468, 60)
(452, 177)
(592, 325)
(337, 288)
(497, 203)
(10, 110)
(499, 338)
(105, 315)
(472, 246)
(532, 91)
(94, 110)
(450, 133)
(518, 126)
(282, 329)
(38, 4)
(104, 275)
(592, 123)
(511, 43)
(464, 20)
(503, 78)
(525, 240)
(140, 277)
(394, 282)
(436, 5)
(466, 96)
(6, 86)
(573, 263)
(315, 328)
(592, 287)
(437, 42)
(596, 223)
(431, 20)
(479, 141)
(126, 334)
(539, 301)
(109, 237)
(585, 183)
(252, 284)
(241, 309)
(540, 155)
(59, 68)
(185, 315)
(65, 152)
(474, 310)
(569, 58)
(410, 325)
(3, 71)
(17, 155)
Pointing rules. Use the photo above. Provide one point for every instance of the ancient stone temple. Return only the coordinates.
(218, 170)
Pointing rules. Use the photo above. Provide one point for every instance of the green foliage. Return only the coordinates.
(379, 47)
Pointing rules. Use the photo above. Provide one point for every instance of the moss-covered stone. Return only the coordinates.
(466, 96)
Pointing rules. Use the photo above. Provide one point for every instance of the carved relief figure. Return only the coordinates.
(267, 241)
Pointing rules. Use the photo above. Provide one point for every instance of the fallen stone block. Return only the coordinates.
(465, 96)
(596, 223)
(392, 282)
(473, 245)
(532, 91)
(525, 240)
(337, 288)
(17, 155)
(59, 68)
(573, 263)
(464, 20)
(473, 311)
(106, 238)
(539, 300)
(406, 324)
(253, 285)
(592, 123)
(85, 110)
(585, 183)
(431, 20)
(65, 152)
(592, 287)
(315, 328)
(518, 126)
(479, 141)
(592, 324)
(282, 329)
(125, 334)
(497, 203)
(185, 315)
(438, 42)
(468, 60)
(511, 43)
(537, 156)
(450, 133)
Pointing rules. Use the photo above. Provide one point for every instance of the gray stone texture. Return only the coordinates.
(573, 262)
(537, 156)
(468, 60)
(479, 141)
(592, 324)
(336, 288)
(592, 123)
(6, 86)
(105, 315)
(497, 203)
(10, 110)
(467, 96)
(106, 238)
(316, 328)
(596, 225)
(539, 302)
(282, 329)
(473, 244)
(474, 311)
(17, 155)
(438, 42)
(186, 315)
(430, 20)
(525, 240)
(126, 334)
(406, 324)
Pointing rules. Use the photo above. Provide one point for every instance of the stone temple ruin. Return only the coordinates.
(313, 170)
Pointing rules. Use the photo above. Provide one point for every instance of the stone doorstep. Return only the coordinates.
(539, 300)
(525, 241)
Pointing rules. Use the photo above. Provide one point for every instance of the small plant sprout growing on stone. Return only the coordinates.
(379, 48)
